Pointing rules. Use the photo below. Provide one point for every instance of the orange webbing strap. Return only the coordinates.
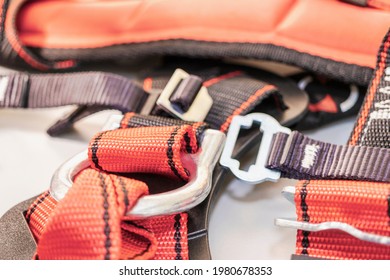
(364, 205)
(155, 150)
(90, 222)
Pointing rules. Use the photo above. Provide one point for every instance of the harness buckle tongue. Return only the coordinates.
(257, 172)
(184, 97)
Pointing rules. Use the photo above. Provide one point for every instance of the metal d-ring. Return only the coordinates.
(175, 201)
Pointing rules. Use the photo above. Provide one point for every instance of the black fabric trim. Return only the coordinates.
(94, 149)
(348, 73)
(34, 207)
(170, 162)
(187, 139)
(177, 237)
(125, 192)
(305, 216)
(106, 218)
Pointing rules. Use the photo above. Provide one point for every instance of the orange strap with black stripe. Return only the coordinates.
(363, 205)
(90, 222)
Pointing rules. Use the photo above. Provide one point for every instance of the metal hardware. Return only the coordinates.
(257, 172)
(150, 102)
(199, 108)
(365, 236)
(289, 193)
(178, 200)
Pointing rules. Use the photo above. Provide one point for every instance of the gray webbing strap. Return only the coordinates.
(300, 157)
(52, 90)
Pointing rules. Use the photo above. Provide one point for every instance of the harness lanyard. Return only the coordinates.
(364, 205)
(90, 222)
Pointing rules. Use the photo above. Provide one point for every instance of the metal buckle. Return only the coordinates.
(178, 200)
(199, 108)
(257, 172)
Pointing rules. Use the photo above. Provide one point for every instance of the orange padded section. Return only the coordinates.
(326, 28)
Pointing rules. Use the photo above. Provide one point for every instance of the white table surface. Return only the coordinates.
(241, 224)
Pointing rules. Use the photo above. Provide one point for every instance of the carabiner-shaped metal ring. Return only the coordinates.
(175, 201)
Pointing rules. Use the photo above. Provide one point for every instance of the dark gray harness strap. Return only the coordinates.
(300, 157)
(53, 90)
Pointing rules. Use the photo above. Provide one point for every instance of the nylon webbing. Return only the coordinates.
(300, 157)
(233, 93)
(91, 91)
(91, 216)
(156, 150)
(159, 149)
(364, 205)
(53, 90)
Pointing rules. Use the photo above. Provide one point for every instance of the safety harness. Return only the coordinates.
(340, 219)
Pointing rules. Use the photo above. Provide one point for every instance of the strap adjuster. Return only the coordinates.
(257, 172)
(198, 102)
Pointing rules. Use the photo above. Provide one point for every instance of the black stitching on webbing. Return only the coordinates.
(187, 139)
(305, 216)
(125, 192)
(34, 207)
(94, 149)
(106, 217)
(304, 206)
(305, 242)
(171, 163)
(177, 237)
(149, 244)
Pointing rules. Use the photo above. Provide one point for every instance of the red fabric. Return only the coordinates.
(90, 221)
(301, 25)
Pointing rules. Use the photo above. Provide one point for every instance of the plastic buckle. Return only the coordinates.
(178, 200)
(200, 106)
(257, 172)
